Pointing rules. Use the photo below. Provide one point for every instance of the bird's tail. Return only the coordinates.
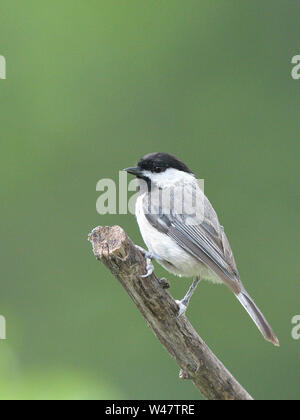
(260, 321)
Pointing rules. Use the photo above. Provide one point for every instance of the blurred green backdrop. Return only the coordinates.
(91, 86)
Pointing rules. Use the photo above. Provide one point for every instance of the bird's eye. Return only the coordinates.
(158, 169)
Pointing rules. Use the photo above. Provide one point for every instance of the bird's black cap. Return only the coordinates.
(159, 162)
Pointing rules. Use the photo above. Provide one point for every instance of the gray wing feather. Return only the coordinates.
(200, 234)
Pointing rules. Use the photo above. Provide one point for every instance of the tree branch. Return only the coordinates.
(112, 246)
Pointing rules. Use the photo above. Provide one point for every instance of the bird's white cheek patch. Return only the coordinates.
(169, 177)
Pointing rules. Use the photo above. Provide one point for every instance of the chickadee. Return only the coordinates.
(183, 233)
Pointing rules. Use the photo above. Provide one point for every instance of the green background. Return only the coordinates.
(91, 87)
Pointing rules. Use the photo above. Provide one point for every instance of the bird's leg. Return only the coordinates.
(149, 257)
(183, 304)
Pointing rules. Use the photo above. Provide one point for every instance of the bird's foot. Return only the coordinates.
(149, 257)
(149, 268)
(182, 307)
(184, 303)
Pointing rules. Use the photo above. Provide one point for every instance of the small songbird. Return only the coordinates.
(182, 231)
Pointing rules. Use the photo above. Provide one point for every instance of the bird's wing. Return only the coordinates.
(195, 227)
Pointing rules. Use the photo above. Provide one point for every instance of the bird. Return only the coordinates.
(183, 234)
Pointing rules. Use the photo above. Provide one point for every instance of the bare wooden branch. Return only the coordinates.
(197, 362)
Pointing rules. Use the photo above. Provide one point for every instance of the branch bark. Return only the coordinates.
(197, 362)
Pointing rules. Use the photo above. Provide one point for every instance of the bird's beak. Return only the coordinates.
(134, 170)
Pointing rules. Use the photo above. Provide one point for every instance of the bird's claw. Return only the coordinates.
(181, 308)
(149, 257)
(149, 268)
